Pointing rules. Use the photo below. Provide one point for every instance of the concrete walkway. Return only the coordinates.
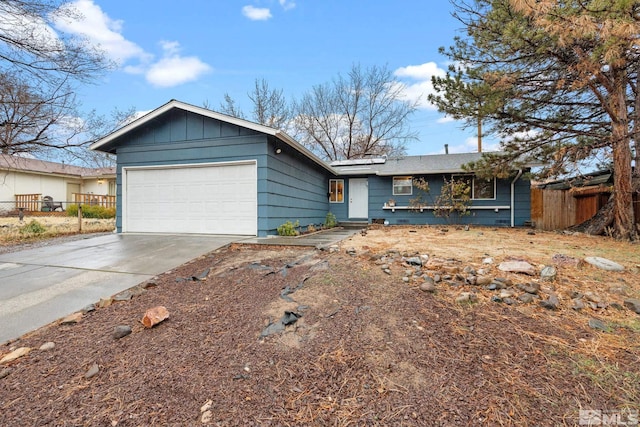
(39, 286)
(318, 240)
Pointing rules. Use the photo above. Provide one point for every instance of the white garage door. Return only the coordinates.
(205, 199)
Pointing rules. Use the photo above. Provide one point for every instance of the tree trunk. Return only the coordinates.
(597, 224)
(624, 223)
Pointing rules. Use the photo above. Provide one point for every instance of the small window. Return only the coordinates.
(336, 190)
(484, 188)
(402, 186)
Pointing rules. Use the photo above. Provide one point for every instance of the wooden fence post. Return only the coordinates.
(80, 218)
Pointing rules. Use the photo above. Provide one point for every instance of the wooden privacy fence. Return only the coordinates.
(560, 209)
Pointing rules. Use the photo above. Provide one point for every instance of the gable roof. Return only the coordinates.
(25, 164)
(279, 134)
(407, 165)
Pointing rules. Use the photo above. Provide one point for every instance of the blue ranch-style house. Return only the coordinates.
(187, 169)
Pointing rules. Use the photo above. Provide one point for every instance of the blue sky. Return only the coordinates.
(197, 50)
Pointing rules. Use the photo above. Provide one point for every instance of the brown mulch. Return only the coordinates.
(368, 350)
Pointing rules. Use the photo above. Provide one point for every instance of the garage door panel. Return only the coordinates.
(218, 199)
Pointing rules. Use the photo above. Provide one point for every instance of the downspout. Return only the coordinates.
(513, 197)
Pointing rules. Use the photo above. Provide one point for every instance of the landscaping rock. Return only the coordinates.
(506, 293)
(148, 284)
(530, 288)
(428, 286)
(548, 273)
(496, 298)
(47, 346)
(551, 303)
(15, 354)
(509, 301)
(633, 304)
(123, 296)
(590, 296)
(599, 325)
(469, 270)
(619, 290)
(578, 304)
(5, 372)
(88, 309)
(465, 297)
(72, 319)
(105, 302)
(121, 331)
(526, 298)
(155, 315)
(93, 371)
(483, 280)
(603, 263)
(506, 282)
(413, 260)
(561, 259)
(517, 267)
(487, 260)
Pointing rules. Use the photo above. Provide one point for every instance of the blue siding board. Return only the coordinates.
(297, 189)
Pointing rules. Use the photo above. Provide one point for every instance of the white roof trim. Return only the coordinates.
(282, 136)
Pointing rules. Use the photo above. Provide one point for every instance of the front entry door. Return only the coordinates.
(358, 198)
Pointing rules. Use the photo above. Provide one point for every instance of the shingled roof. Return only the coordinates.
(24, 164)
(407, 165)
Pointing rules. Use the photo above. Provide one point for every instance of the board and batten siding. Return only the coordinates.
(289, 187)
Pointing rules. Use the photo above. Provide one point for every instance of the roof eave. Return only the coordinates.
(282, 136)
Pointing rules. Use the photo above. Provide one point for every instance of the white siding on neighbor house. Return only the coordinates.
(212, 198)
(12, 183)
(96, 186)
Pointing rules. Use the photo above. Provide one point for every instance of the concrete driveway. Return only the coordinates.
(39, 286)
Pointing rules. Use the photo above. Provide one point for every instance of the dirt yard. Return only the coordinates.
(13, 231)
(412, 326)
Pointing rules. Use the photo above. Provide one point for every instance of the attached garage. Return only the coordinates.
(187, 169)
(211, 198)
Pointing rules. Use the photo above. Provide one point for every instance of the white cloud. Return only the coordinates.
(173, 69)
(416, 81)
(420, 72)
(256, 13)
(101, 30)
(287, 5)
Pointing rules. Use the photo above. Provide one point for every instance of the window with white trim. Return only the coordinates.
(402, 186)
(336, 190)
(484, 188)
(481, 189)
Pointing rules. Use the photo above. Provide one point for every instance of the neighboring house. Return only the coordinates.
(25, 180)
(186, 169)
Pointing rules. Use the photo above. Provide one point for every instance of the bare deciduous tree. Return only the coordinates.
(359, 115)
(229, 107)
(39, 70)
(269, 105)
